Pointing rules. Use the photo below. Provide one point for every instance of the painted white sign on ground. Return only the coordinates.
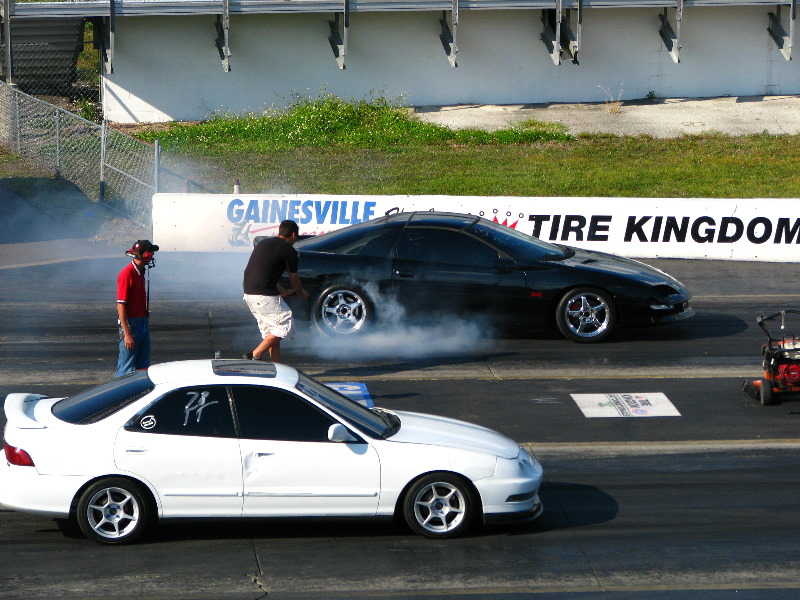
(650, 404)
(354, 391)
(720, 229)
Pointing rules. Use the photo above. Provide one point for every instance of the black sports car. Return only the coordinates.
(425, 263)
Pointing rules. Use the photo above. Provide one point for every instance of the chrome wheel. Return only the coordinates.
(112, 512)
(439, 506)
(342, 311)
(585, 315)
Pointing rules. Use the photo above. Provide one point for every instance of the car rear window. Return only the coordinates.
(99, 402)
(365, 239)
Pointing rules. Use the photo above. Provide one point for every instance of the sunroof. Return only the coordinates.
(249, 368)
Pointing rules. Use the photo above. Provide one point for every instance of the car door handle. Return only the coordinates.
(135, 450)
(262, 454)
(407, 274)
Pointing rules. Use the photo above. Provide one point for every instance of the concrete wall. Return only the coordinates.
(168, 68)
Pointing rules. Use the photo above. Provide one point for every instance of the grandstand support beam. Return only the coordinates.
(551, 31)
(104, 38)
(338, 41)
(672, 37)
(783, 40)
(571, 39)
(8, 7)
(449, 37)
(222, 41)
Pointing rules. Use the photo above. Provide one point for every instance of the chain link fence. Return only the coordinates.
(105, 164)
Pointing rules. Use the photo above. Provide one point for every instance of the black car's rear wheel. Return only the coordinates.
(586, 315)
(113, 511)
(342, 309)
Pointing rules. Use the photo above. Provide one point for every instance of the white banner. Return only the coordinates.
(721, 229)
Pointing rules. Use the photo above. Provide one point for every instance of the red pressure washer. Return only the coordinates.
(781, 362)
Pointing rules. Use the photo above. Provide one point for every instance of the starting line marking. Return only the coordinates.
(593, 406)
(649, 404)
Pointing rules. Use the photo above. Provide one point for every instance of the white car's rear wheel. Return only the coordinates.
(440, 505)
(113, 511)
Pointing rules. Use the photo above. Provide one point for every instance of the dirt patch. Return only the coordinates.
(135, 129)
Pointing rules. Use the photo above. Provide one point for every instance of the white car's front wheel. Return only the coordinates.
(113, 511)
(440, 505)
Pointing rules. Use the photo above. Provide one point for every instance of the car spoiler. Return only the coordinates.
(19, 411)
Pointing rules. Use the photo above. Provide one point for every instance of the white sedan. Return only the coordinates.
(234, 438)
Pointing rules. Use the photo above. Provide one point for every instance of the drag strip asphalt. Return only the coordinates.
(699, 504)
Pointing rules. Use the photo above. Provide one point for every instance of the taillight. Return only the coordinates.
(17, 456)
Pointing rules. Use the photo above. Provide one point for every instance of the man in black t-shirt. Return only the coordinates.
(264, 295)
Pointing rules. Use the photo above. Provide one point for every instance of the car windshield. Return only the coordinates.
(375, 423)
(99, 402)
(520, 246)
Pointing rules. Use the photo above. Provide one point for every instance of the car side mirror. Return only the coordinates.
(339, 433)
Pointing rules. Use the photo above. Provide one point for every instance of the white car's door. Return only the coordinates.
(290, 467)
(185, 446)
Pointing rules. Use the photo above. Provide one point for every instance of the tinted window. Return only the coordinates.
(350, 240)
(444, 246)
(104, 400)
(514, 243)
(196, 411)
(372, 422)
(451, 220)
(266, 413)
(381, 244)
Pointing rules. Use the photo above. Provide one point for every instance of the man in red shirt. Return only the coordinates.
(132, 309)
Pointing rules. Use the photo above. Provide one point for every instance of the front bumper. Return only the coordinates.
(517, 517)
(670, 316)
(653, 312)
(512, 493)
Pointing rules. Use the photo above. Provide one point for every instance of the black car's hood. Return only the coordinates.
(617, 265)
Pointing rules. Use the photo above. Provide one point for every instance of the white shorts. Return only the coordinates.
(272, 314)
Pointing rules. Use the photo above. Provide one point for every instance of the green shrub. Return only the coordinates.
(326, 121)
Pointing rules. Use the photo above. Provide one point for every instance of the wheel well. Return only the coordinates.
(342, 281)
(150, 497)
(398, 506)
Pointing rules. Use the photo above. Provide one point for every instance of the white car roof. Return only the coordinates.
(201, 371)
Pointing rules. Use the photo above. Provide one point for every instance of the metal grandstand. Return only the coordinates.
(562, 19)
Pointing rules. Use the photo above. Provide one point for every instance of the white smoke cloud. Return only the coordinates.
(395, 335)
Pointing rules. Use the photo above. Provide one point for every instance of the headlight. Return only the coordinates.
(527, 464)
(660, 306)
